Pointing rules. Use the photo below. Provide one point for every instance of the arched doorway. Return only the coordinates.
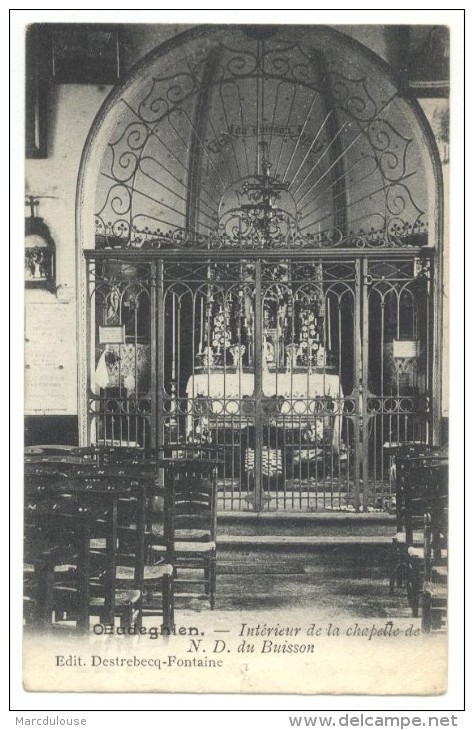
(258, 217)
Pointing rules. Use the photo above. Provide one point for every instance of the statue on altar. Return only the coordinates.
(237, 352)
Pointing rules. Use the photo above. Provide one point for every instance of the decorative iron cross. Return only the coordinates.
(266, 188)
(32, 201)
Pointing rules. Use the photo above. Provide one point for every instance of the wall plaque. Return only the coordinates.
(50, 375)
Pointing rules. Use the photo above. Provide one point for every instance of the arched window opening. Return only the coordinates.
(259, 220)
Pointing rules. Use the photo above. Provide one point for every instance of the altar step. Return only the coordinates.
(303, 541)
(296, 528)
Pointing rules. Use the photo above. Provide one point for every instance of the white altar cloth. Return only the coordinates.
(290, 385)
(296, 390)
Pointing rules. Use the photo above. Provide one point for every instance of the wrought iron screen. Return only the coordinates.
(294, 124)
(260, 274)
(120, 353)
(263, 371)
(308, 373)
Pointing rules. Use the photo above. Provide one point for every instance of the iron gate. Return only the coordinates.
(308, 371)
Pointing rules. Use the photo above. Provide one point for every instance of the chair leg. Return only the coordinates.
(413, 589)
(139, 620)
(207, 578)
(397, 572)
(44, 597)
(400, 576)
(397, 567)
(394, 573)
(126, 618)
(168, 603)
(212, 581)
(426, 613)
(391, 589)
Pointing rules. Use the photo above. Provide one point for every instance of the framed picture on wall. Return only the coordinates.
(36, 110)
(85, 54)
(37, 80)
(428, 60)
(40, 251)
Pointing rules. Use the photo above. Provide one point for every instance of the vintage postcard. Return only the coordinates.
(236, 358)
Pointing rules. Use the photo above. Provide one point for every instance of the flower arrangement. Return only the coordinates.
(221, 335)
(310, 338)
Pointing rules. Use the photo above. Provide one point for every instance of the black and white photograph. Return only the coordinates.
(236, 389)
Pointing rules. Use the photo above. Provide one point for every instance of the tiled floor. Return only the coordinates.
(344, 581)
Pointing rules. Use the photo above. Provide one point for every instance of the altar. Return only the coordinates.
(290, 400)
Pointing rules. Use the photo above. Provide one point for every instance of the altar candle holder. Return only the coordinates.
(201, 327)
(173, 341)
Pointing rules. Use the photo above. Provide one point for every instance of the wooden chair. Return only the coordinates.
(62, 586)
(48, 544)
(155, 576)
(57, 450)
(435, 568)
(131, 455)
(409, 514)
(115, 565)
(137, 566)
(120, 455)
(190, 509)
(411, 494)
(181, 515)
(429, 479)
(419, 484)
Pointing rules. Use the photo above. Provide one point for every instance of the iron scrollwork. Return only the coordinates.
(144, 176)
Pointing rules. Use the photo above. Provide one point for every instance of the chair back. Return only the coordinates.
(190, 500)
(122, 455)
(56, 450)
(422, 482)
(56, 544)
(63, 513)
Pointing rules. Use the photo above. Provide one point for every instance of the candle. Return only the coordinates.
(348, 215)
(201, 330)
(329, 324)
(173, 362)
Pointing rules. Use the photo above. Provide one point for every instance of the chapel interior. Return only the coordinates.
(236, 268)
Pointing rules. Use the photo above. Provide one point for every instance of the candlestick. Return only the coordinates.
(201, 330)
(173, 349)
(329, 325)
